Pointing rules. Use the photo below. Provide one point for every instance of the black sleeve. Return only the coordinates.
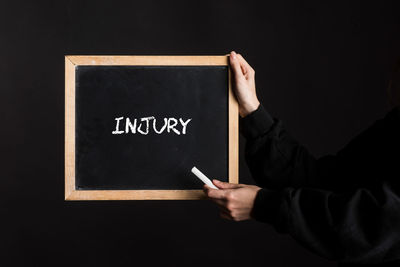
(361, 226)
(345, 206)
(275, 159)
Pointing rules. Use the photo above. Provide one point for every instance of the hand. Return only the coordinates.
(235, 201)
(244, 85)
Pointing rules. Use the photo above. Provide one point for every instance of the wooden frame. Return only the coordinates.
(72, 61)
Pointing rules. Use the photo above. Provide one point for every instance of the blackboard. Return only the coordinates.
(136, 125)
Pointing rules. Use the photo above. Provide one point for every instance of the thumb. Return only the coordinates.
(223, 185)
(235, 65)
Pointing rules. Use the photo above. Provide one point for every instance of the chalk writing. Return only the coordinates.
(145, 125)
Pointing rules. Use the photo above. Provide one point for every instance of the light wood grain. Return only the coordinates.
(149, 60)
(69, 127)
(72, 61)
(136, 195)
(233, 134)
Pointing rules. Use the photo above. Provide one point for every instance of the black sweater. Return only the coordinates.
(344, 207)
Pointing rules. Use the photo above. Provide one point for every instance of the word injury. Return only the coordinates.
(147, 124)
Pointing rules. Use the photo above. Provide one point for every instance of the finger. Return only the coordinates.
(215, 193)
(225, 216)
(247, 69)
(244, 63)
(244, 70)
(221, 204)
(223, 210)
(235, 64)
(224, 185)
(205, 189)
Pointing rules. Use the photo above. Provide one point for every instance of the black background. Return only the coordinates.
(321, 66)
(152, 161)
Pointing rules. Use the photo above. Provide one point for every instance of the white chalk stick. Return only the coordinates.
(203, 178)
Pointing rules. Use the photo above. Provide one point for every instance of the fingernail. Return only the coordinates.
(233, 54)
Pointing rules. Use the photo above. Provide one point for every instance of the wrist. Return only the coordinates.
(248, 108)
(256, 124)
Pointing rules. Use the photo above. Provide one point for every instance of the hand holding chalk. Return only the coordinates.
(203, 178)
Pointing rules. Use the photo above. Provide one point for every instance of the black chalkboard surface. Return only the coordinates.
(141, 128)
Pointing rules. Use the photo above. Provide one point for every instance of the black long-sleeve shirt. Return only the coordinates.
(344, 207)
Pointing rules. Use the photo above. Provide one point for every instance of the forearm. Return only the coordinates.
(360, 226)
(275, 159)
